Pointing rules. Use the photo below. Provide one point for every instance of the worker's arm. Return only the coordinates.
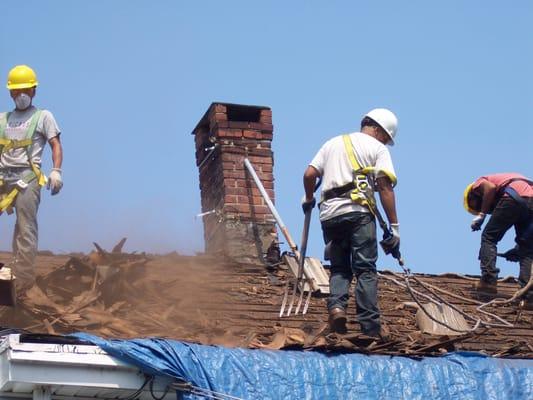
(311, 175)
(55, 180)
(386, 195)
(488, 196)
(57, 152)
(488, 191)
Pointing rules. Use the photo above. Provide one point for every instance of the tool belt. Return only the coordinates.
(341, 191)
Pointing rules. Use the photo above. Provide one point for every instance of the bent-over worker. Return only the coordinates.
(508, 197)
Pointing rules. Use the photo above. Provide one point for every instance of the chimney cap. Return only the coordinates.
(204, 121)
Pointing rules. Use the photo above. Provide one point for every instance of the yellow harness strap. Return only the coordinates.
(8, 144)
(363, 192)
(6, 200)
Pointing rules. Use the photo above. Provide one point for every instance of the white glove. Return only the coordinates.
(477, 222)
(395, 228)
(55, 182)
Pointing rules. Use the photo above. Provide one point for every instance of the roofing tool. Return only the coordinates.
(285, 232)
(299, 283)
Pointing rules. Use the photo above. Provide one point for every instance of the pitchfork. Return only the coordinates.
(299, 283)
(302, 276)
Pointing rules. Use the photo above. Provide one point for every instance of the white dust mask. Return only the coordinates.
(23, 101)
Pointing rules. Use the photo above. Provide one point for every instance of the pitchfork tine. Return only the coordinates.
(299, 283)
(301, 297)
(284, 301)
(249, 167)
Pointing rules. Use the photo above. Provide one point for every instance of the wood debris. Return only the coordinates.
(212, 301)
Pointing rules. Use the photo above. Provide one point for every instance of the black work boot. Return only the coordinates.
(337, 320)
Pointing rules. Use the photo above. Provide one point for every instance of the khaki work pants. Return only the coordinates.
(25, 235)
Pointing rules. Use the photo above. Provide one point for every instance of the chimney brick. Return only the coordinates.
(242, 226)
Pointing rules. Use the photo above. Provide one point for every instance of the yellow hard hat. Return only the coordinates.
(465, 200)
(21, 77)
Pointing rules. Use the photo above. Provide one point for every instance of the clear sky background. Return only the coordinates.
(128, 80)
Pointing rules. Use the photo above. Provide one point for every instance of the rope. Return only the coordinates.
(431, 289)
(412, 292)
(519, 293)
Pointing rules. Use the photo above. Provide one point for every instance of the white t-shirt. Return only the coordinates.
(16, 128)
(334, 165)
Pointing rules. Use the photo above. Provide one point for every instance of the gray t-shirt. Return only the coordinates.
(16, 128)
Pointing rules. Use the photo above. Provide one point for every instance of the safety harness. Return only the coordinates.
(7, 199)
(360, 190)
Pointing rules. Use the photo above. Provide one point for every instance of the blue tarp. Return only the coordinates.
(265, 374)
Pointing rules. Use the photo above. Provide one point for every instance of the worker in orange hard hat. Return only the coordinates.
(509, 198)
(24, 132)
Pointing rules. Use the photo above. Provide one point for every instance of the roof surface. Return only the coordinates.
(205, 300)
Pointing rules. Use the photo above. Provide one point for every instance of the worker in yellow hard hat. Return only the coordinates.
(508, 198)
(24, 132)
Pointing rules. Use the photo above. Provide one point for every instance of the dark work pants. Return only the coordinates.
(506, 214)
(353, 251)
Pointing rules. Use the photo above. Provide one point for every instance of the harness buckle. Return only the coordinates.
(361, 182)
(21, 184)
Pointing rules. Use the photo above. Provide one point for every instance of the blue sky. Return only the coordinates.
(128, 81)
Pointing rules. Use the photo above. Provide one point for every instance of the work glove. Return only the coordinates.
(308, 205)
(477, 222)
(512, 255)
(55, 182)
(391, 240)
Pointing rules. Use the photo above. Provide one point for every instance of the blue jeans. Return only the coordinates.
(353, 251)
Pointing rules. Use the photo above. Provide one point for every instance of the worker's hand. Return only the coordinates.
(513, 255)
(308, 204)
(477, 222)
(55, 182)
(394, 240)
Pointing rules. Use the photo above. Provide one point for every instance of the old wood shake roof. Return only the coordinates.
(205, 300)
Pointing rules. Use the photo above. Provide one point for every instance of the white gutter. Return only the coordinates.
(45, 371)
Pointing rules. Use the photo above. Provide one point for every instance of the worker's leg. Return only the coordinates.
(505, 214)
(364, 257)
(25, 235)
(524, 239)
(526, 264)
(336, 233)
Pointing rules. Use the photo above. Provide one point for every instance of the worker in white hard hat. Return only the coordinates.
(24, 132)
(352, 167)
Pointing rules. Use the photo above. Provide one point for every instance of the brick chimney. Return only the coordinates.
(238, 224)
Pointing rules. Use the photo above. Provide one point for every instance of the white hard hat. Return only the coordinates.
(386, 119)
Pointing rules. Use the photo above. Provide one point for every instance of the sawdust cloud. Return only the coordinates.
(169, 296)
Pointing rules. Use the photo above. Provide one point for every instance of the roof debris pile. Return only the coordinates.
(214, 301)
